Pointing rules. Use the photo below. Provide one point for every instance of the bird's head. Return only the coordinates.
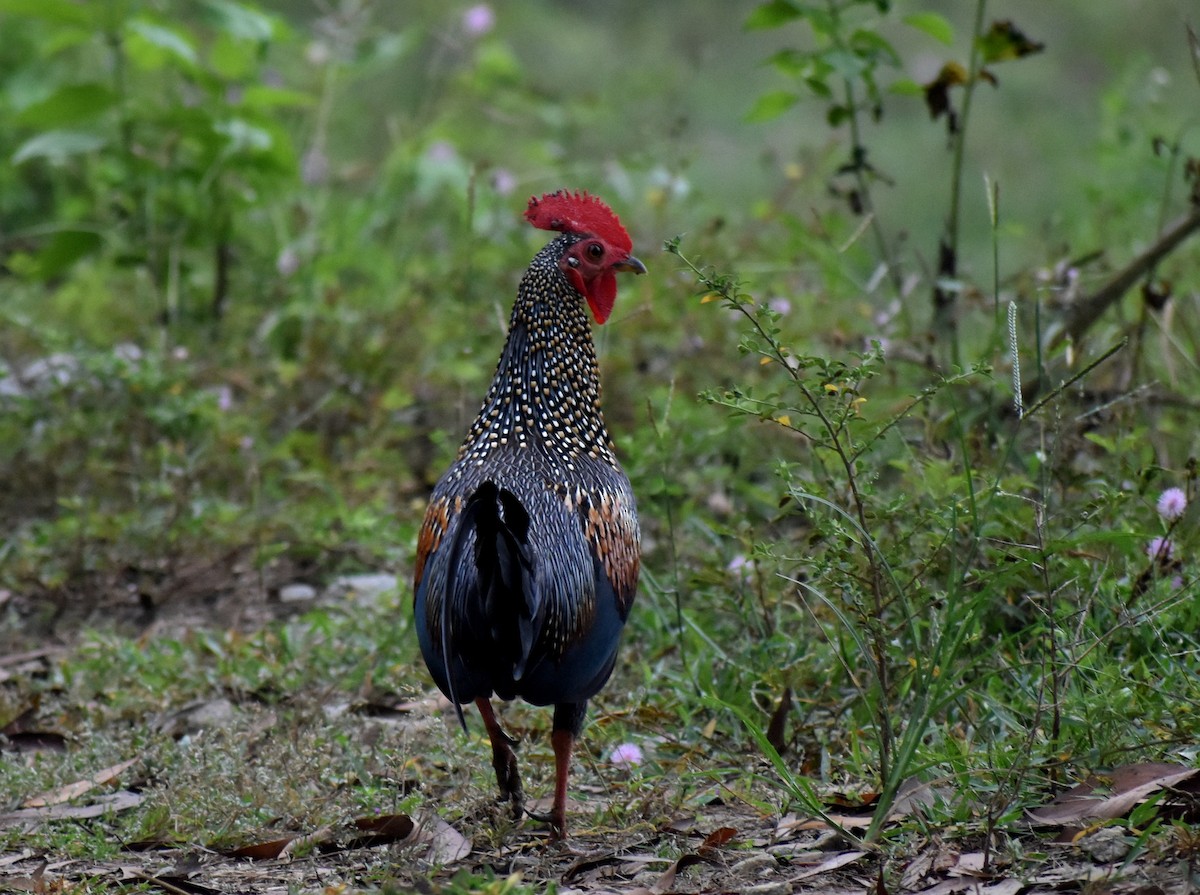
(592, 262)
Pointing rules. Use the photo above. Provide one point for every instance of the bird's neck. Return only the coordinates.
(546, 391)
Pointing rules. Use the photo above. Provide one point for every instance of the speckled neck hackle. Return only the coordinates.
(546, 391)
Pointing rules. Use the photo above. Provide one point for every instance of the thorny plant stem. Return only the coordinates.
(846, 458)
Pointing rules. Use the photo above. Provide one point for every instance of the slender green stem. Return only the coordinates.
(858, 157)
(960, 141)
(944, 295)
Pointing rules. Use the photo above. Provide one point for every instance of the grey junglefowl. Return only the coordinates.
(528, 557)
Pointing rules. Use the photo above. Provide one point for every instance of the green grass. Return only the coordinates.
(226, 370)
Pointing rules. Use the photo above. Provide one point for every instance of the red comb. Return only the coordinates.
(578, 213)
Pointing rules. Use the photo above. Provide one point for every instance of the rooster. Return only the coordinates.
(527, 560)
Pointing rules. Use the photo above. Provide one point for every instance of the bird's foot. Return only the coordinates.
(556, 820)
(508, 778)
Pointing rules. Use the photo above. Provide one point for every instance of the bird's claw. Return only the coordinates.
(508, 778)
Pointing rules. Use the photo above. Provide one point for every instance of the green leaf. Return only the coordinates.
(906, 87)
(62, 12)
(261, 96)
(243, 136)
(774, 14)
(58, 145)
(933, 24)
(67, 105)
(772, 105)
(1005, 41)
(150, 45)
(242, 21)
(233, 59)
(64, 249)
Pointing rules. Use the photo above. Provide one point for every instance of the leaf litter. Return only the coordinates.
(715, 839)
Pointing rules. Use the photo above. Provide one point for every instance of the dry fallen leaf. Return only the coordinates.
(79, 787)
(833, 862)
(1103, 797)
(261, 851)
(105, 804)
(446, 845)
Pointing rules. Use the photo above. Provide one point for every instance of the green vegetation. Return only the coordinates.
(904, 400)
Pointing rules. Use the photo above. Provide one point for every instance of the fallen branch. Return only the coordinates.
(1083, 313)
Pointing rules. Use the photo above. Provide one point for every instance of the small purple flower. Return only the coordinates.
(224, 399)
(780, 306)
(626, 755)
(314, 167)
(1160, 548)
(440, 151)
(288, 262)
(740, 567)
(478, 20)
(503, 181)
(1172, 503)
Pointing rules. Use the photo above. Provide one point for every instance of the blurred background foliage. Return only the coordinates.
(256, 261)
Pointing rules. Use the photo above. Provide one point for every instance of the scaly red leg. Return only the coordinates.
(504, 759)
(563, 742)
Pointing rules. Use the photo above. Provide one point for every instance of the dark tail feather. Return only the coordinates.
(521, 577)
(466, 523)
(504, 572)
(505, 567)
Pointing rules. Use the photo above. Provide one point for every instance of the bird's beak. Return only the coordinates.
(630, 264)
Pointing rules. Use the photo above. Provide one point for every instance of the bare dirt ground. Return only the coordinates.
(716, 839)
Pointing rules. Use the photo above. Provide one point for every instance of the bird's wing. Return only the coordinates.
(437, 520)
(610, 527)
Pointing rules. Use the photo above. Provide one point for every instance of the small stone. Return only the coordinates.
(297, 593)
(216, 713)
(372, 586)
(1106, 846)
(780, 888)
(755, 865)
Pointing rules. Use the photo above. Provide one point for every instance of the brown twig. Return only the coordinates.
(1083, 313)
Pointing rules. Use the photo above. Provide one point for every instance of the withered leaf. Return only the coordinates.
(937, 91)
(1005, 41)
(261, 851)
(715, 840)
(1103, 797)
(110, 802)
(777, 729)
(79, 787)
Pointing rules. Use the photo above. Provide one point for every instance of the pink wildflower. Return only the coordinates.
(478, 20)
(1160, 548)
(626, 754)
(1172, 503)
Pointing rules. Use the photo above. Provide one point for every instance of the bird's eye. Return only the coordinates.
(596, 250)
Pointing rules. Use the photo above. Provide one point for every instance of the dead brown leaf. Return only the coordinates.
(385, 828)
(261, 851)
(446, 845)
(777, 728)
(715, 840)
(1104, 797)
(79, 787)
(105, 804)
(833, 862)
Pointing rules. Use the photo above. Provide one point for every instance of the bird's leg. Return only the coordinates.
(568, 722)
(563, 742)
(504, 759)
